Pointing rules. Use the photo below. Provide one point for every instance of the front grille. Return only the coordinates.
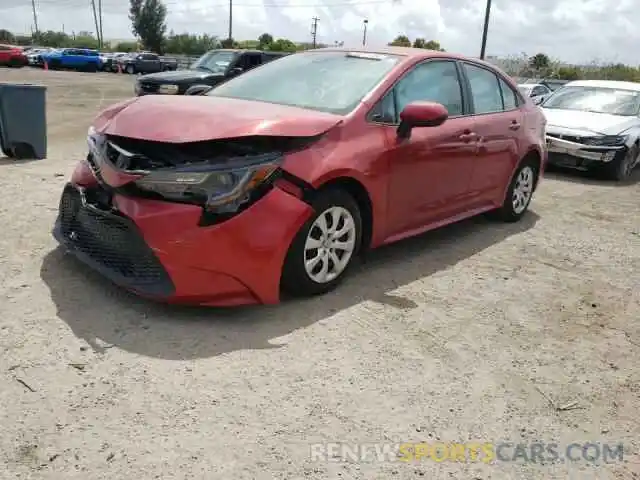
(569, 138)
(109, 242)
(148, 87)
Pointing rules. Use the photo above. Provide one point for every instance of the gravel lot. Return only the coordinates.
(480, 331)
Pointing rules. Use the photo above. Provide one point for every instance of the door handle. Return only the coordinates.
(514, 125)
(468, 137)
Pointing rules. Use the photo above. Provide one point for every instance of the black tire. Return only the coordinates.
(508, 211)
(295, 279)
(621, 168)
(92, 67)
(21, 151)
(55, 65)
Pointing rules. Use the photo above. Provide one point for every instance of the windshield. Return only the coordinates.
(214, 61)
(333, 82)
(525, 89)
(596, 100)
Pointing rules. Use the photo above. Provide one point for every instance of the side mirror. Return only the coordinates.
(538, 100)
(421, 114)
(197, 89)
(237, 70)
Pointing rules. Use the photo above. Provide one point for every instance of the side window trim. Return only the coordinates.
(392, 88)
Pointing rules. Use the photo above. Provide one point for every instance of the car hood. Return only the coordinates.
(587, 123)
(181, 119)
(179, 76)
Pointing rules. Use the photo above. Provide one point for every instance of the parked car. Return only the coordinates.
(280, 177)
(34, 55)
(553, 84)
(72, 58)
(145, 62)
(595, 124)
(212, 68)
(536, 91)
(12, 56)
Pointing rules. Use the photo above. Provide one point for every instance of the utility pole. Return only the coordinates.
(35, 16)
(364, 32)
(230, 23)
(95, 19)
(484, 31)
(100, 37)
(314, 30)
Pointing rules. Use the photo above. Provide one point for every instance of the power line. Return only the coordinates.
(77, 3)
(314, 30)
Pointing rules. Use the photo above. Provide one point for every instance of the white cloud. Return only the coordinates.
(571, 30)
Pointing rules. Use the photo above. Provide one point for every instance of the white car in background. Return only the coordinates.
(34, 55)
(595, 124)
(536, 91)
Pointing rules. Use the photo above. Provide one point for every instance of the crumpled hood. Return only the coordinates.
(178, 76)
(587, 123)
(181, 119)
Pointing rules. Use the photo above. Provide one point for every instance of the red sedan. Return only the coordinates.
(11, 56)
(277, 179)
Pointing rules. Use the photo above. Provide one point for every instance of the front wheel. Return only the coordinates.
(519, 193)
(324, 249)
(620, 168)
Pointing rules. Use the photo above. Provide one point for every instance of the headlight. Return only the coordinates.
(606, 141)
(168, 89)
(216, 189)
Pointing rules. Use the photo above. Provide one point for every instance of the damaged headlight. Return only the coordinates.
(218, 189)
(606, 141)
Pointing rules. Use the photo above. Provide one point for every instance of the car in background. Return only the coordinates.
(12, 56)
(72, 58)
(145, 62)
(553, 84)
(595, 124)
(277, 179)
(34, 55)
(536, 91)
(212, 68)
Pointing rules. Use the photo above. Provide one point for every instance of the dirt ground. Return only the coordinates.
(479, 331)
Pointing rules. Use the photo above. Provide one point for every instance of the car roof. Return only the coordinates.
(605, 84)
(408, 52)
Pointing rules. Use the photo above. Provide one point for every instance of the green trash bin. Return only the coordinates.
(23, 121)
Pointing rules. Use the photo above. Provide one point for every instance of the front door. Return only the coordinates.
(429, 172)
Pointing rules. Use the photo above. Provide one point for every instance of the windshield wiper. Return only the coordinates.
(201, 67)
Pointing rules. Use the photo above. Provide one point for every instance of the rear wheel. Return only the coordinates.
(325, 247)
(520, 192)
(621, 168)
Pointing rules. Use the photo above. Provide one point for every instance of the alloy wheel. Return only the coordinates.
(330, 244)
(523, 190)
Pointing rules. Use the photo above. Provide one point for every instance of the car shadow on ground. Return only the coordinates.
(104, 315)
(589, 177)
(4, 160)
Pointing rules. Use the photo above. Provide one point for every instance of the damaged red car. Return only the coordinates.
(276, 180)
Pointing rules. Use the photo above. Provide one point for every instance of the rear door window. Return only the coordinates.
(485, 89)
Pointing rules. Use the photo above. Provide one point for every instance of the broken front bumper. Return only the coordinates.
(566, 153)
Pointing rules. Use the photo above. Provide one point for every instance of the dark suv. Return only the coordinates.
(212, 68)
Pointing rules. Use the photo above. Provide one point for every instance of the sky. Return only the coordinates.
(576, 31)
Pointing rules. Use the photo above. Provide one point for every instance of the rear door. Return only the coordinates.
(497, 122)
(151, 63)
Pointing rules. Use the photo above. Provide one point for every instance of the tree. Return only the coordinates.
(430, 45)
(6, 36)
(148, 22)
(540, 61)
(401, 41)
(283, 45)
(568, 73)
(264, 41)
(228, 43)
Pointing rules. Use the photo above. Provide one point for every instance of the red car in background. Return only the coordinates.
(12, 56)
(278, 178)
